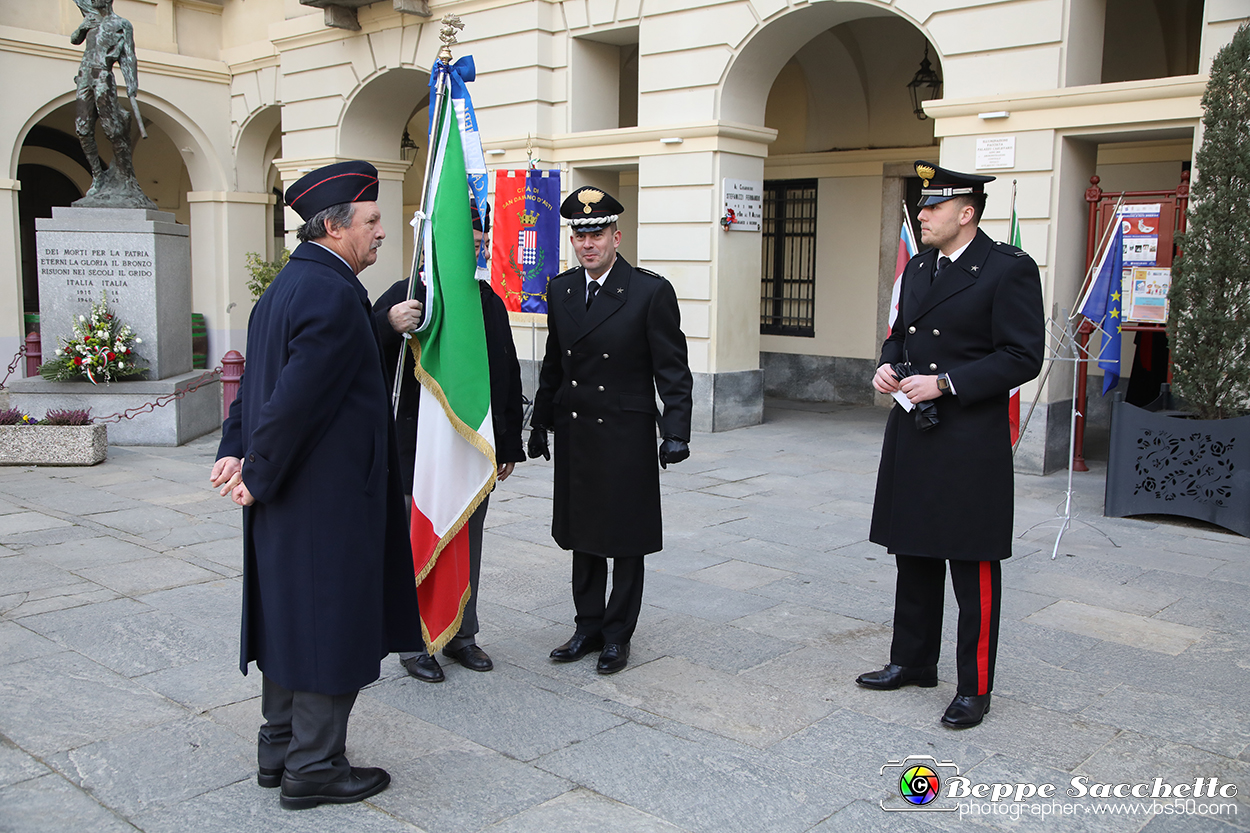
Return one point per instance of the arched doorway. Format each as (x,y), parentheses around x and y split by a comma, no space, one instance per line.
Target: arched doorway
(832,80)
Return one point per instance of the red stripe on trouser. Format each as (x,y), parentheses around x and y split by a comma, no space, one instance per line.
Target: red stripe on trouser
(983,639)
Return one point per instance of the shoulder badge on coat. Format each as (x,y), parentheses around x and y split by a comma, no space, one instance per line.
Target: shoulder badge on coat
(648,272)
(1008,249)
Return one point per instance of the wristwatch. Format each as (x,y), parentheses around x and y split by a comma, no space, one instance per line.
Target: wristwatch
(944,383)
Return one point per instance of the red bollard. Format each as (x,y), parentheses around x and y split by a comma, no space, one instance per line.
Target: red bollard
(231,373)
(34,354)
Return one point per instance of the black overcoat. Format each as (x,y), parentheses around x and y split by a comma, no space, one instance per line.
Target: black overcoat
(328,587)
(597,390)
(948,492)
(506,406)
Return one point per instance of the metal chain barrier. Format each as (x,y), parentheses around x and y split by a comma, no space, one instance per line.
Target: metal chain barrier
(17,359)
(130,413)
(162,401)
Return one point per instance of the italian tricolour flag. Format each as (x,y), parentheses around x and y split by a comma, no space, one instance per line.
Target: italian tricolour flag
(455,463)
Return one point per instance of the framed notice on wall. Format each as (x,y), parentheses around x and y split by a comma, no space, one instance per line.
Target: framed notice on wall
(1146,293)
(1141,233)
(744,205)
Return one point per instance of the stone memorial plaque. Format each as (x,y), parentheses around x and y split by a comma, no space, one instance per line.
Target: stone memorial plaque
(137,259)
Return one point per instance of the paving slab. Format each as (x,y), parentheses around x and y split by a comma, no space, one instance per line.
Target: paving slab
(585,812)
(1115,625)
(158,766)
(1126,658)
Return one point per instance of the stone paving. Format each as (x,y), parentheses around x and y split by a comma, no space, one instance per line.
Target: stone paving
(1122,661)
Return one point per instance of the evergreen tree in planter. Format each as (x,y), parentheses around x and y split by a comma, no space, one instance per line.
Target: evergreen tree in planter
(1209,321)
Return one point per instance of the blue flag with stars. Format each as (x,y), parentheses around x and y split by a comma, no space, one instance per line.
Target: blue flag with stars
(1103,305)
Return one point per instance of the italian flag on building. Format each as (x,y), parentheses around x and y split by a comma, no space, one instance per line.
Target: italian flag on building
(455,463)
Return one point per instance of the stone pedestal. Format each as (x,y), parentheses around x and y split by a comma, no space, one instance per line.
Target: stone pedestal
(139,259)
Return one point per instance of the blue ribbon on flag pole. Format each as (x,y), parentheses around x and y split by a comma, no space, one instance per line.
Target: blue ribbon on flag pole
(458,75)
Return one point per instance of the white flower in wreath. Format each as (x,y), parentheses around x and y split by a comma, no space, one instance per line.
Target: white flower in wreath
(82,318)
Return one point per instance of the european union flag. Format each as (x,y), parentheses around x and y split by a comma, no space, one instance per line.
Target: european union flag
(1103,305)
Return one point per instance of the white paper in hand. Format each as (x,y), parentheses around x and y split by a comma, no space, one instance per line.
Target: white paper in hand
(901,398)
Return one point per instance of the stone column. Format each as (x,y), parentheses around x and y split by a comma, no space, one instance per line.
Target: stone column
(716,273)
(11,326)
(226,226)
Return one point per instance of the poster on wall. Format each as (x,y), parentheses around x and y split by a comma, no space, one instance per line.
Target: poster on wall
(1147,294)
(1141,233)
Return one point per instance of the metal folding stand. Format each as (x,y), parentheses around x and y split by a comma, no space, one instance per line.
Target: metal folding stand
(1065,342)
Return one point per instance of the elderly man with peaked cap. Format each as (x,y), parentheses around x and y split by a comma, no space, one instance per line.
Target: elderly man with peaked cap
(308,451)
(970,328)
(614,340)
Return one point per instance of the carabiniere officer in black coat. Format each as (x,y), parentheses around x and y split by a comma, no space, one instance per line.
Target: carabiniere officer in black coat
(970,328)
(614,339)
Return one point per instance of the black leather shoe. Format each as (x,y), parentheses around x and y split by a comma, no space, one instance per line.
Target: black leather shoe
(577,647)
(613,658)
(361,783)
(966,710)
(425,668)
(471,657)
(897,676)
(269,778)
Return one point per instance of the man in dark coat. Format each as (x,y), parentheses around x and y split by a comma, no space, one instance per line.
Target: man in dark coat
(309,451)
(394,314)
(613,340)
(970,328)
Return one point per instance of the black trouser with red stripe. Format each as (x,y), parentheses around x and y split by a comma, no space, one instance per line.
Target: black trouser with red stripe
(919,594)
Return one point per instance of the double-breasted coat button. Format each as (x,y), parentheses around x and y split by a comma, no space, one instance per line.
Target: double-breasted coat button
(599,421)
(251,458)
(605,355)
(937,332)
(568,352)
(911,329)
(932,366)
(575,415)
(573,383)
(601,387)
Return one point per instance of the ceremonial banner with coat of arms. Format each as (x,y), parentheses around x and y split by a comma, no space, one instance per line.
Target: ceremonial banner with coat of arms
(525,247)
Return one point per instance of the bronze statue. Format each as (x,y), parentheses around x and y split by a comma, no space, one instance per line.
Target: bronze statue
(109,40)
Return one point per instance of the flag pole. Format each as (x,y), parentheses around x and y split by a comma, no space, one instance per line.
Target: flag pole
(911,236)
(451,25)
(1088,285)
(1015,223)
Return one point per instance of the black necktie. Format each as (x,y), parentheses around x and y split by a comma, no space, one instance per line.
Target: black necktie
(591,292)
(942,263)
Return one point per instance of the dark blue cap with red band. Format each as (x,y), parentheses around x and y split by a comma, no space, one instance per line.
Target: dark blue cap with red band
(354,181)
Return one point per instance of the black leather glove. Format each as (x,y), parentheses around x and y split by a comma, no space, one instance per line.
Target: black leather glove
(538,444)
(925,412)
(673,450)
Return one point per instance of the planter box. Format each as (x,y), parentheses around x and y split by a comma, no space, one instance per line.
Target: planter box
(53,445)
(1166,464)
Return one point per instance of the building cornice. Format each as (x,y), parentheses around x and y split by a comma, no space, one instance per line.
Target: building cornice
(151,62)
(1155,100)
(632,142)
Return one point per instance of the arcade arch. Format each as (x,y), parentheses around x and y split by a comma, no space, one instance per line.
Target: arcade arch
(831,78)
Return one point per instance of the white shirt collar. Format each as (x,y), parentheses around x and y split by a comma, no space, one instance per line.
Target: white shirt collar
(336,254)
(955,255)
